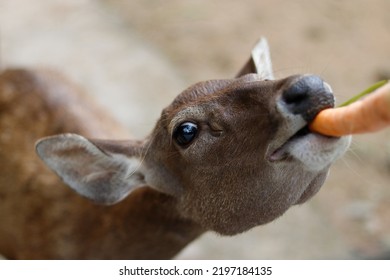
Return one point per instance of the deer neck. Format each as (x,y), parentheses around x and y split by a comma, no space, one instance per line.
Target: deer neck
(151,227)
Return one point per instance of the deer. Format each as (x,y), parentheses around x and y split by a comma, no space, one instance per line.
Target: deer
(226,155)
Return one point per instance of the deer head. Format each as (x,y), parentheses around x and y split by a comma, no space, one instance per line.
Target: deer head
(234,153)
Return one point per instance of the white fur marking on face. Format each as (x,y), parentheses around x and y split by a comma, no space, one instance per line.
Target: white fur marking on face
(292,122)
(317,152)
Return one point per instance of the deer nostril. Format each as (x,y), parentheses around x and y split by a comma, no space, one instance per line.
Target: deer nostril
(307,96)
(301,89)
(295,94)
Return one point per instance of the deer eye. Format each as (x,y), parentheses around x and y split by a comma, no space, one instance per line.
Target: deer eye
(185,133)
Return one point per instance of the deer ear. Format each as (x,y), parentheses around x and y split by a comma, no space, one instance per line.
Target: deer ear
(259,62)
(102,173)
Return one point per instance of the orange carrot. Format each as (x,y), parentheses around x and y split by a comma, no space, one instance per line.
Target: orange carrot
(369,114)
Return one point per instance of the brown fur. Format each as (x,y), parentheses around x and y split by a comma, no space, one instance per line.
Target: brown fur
(222,182)
(40,217)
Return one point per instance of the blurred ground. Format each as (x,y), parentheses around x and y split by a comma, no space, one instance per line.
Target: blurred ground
(135,56)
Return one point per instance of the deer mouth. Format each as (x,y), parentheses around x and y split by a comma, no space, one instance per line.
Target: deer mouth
(281,153)
(315,151)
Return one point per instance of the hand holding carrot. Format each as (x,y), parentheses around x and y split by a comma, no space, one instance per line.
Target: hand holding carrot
(366,115)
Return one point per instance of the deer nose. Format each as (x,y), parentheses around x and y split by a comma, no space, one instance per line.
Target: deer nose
(307,96)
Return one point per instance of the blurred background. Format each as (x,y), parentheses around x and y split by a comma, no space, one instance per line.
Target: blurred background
(136,56)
